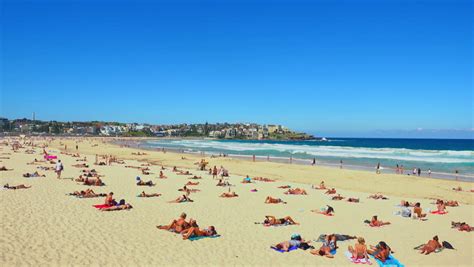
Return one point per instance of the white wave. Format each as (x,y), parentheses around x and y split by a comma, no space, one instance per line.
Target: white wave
(433,156)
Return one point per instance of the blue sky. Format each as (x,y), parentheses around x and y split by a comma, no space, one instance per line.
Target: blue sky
(344,68)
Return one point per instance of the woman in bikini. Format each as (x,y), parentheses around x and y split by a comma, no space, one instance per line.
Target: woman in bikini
(118,207)
(182,199)
(271,200)
(359,251)
(271,220)
(326,211)
(330,191)
(376,223)
(143,194)
(195,231)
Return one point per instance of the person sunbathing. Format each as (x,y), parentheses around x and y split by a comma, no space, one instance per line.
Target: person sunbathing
(145,172)
(143,183)
(183,173)
(133,167)
(229,194)
(376,223)
(330,191)
(451,203)
(88,193)
(380,252)
(457,189)
(328,245)
(35,174)
(162,175)
(295,241)
(14,187)
(177,226)
(404,203)
(418,212)
(3,168)
(143,194)
(296,191)
(338,197)
(440,206)
(271,200)
(329,211)
(247,180)
(195,177)
(262,179)
(352,199)
(191,183)
(378,196)
(431,246)
(188,191)
(95,182)
(196,231)
(109,199)
(359,251)
(181,199)
(284,186)
(118,207)
(462,226)
(81,165)
(320,187)
(271,220)
(223,183)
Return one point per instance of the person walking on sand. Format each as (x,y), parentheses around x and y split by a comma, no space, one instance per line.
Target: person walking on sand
(429,172)
(59,168)
(314,161)
(419,172)
(377,169)
(340,167)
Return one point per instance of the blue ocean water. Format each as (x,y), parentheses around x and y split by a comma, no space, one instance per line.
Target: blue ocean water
(439,155)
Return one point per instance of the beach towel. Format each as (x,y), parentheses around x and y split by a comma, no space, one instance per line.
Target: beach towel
(279,250)
(439,212)
(390,262)
(195,238)
(357,261)
(101,206)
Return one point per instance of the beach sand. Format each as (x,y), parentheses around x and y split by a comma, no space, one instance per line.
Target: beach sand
(44,226)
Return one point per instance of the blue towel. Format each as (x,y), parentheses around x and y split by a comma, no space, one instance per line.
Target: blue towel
(290,249)
(333,252)
(390,262)
(194,238)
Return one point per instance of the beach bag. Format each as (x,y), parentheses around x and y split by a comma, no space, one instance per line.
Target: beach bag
(447,245)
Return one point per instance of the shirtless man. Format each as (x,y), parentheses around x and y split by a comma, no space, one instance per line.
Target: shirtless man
(338,197)
(195,231)
(271,200)
(418,211)
(177,225)
(296,191)
(330,191)
(431,246)
(14,187)
(271,220)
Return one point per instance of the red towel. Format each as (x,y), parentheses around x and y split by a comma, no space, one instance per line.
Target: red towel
(101,206)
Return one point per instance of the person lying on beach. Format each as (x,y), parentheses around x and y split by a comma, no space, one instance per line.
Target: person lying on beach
(247,180)
(94,182)
(133,167)
(34,162)
(183,173)
(118,207)
(195,177)
(431,246)
(223,183)
(188,191)
(109,199)
(191,183)
(177,226)
(35,174)
(328,245)
(440,206)
(457,189)
(143,194)
(330,191)
(196,231)
(338,197)
(229,194)
(181,199)
(139,154)
(359,251)
(329,211)
(271,220)
(271,200)
(145,172)
(284,186)
(3,168)
(376,223)
(295,241)
(418,212)
(462,226)
(145,164)
(320,187)
(81,165)
(88,193)
(262,179)
(14,187)
(381,251)
(296,191)
(378,196)
(162,175)
(403,203)
(143,183)
(352,199)
(451,203)
(83,159)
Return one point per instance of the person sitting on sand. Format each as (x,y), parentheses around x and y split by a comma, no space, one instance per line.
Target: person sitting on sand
(320,187)
(296,191)
(431,246)
(329,211)
(328,245)
(182,199)
(145,172)
(162,175)
(462,226)
(376,223)
(451,203)
(222,183)
(352,199)
(143,194)
(191,183)
(109,199)
(177,225)
(271,200)
(378,196)
(271,220)
(380,252)
(3,168)
(229,194)
(247,180)
(417,211)
(330,191)
(196,231)
(338,197)
(284,186)
(14,187)
(359,251)
(35,174)
(404,203)
(457,189)
(295,241)
(440,206)
(143,183)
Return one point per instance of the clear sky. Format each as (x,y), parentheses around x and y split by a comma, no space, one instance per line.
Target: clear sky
(334,68)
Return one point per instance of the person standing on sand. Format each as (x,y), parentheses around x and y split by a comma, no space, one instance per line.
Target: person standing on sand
(429,172)
(377,169)
(59,168)
(419,172)
(77,147)
(340,167)
(314,161)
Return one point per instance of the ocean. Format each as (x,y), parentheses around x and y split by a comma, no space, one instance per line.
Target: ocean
(442,156)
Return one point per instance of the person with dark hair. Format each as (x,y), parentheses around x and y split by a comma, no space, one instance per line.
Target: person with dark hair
(271,220)
(196,231)
(431,246)
(381,251)
(376,223)
(328,245)
(418,211)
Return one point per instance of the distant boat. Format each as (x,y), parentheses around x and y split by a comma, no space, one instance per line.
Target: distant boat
(324,139)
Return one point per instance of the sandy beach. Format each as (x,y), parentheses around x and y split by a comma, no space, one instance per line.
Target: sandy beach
(43,225)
